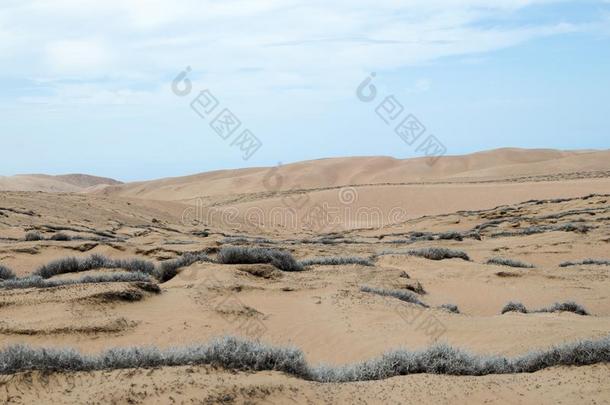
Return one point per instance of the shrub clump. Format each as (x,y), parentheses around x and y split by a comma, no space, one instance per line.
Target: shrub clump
(93,262)
(501,261)
(451,235)
(514,307)
(432,253)
(567,306)
(450,308)
(416,288)
(337,261)
(169,269)
(402,295)
(60,236)
(6,273)
(247,255)
(33,236)
(598,262)
(39,282)
(237,354)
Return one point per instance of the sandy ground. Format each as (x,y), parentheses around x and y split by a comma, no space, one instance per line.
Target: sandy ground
(321,310)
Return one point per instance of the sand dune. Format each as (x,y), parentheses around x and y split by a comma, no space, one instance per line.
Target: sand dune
(530,206)
(67,183)
(337,172)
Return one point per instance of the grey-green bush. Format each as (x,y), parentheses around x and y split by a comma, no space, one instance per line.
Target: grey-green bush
(6,273)
(247,255)
(501,261)
(237,354)
(33,236)
(60,236)
(337,261)
(432,253)
(93,262)
(402,295)
(567,306)
(450,308)
(514,307)
(598,262)
(169,269)
(39,282)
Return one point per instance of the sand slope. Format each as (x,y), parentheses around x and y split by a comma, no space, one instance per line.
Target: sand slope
(59,184)
(337,172)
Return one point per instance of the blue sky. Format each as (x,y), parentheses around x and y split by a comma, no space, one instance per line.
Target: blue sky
(86,85)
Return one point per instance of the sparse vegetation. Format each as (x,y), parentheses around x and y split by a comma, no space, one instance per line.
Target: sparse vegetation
(451,236)
(501,261)
(337,261)
(432,253)
(568,306)
(598,262)
(238,240)
(169,269)
(416,288)
(60,236)
(33,236)
(246,255)
(507,274)
(237,354)
(402,295)
(450,308)
(95,261)
(514,307)
(6,273)
(39,282)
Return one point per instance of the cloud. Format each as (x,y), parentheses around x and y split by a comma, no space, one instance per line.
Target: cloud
(74,57)
(249,45)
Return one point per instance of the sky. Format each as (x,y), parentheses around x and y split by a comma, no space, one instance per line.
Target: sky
(96,87)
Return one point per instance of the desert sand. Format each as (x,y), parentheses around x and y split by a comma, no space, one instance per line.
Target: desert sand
(540,207)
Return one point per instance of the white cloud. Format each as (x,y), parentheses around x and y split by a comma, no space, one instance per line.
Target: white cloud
(74,57)
(248,45)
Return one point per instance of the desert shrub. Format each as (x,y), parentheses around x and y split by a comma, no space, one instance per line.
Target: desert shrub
(6,273)
(451,236)
(514,307)
(95,261)
(416,288)
(568,306)
(336,261)
(60,236)
(33,236)
(432,253)
(40,282)
(237,354)
(137,265)
(246,255)
(169,269)
(579,228)
(402,295)
(238,240)
(599,262)
(451,308)
(501,261)
(507,274)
